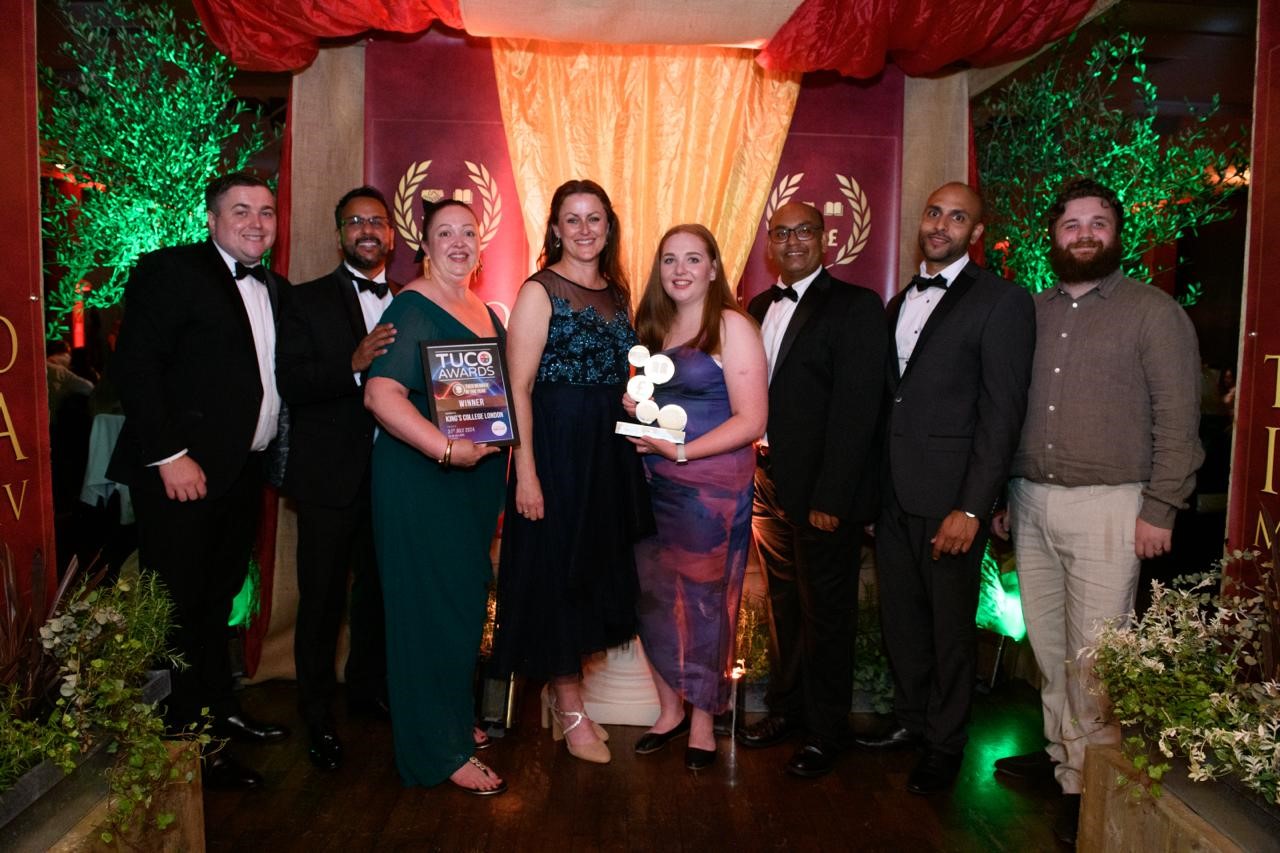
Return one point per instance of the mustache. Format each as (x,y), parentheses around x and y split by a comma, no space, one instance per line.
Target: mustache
(1086,243)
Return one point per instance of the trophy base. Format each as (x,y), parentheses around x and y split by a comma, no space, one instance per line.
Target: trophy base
(675,436)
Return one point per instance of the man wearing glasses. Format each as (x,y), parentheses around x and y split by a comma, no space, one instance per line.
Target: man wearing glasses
(815,485)
(329,335)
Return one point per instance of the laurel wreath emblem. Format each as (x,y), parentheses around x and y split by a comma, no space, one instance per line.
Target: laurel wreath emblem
(407,193)
(782,194)
(860,229)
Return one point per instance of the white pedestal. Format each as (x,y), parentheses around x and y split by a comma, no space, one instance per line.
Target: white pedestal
(617,688)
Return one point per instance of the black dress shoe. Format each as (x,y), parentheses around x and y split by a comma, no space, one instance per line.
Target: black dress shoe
(811,761)
(935,772)
(698,759)
(325,751)
(654,741)
(373,707)
(1034,765)
(242,728)
(1068,822)
(773,729)
(221,771)
(896,739)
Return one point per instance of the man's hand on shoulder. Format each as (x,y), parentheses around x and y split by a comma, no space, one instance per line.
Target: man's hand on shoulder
(1151,541)
(955,534)
(374,344)
(183,479)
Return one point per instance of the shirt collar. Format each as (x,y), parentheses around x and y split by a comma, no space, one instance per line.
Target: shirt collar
(952,271)
(803,284)
(355,273)
(228,260)
(1105,288)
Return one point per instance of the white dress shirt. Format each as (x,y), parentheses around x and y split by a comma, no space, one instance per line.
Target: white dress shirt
(257,303)
(776,320)
(917,308)
(371,304)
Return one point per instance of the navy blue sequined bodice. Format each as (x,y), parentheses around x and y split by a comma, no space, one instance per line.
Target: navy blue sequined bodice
(588,336)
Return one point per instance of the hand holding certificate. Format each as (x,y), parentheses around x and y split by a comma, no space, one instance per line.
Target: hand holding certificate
(467,390)
(670,419)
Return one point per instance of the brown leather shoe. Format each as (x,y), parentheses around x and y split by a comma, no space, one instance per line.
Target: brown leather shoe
(773,729)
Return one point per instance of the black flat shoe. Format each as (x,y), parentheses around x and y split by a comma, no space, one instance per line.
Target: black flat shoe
(325,751)
(773,729)
(698,759)
(1034,765)
(222,772)
(935,772)
(654,741)
(811,761)
(896,739)
(242,728)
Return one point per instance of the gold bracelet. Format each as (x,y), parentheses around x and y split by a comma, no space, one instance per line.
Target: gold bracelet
(448,454)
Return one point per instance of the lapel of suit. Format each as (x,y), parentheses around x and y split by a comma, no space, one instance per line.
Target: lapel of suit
(955,293)
(815,296)
(759,306)
(226,285)
(892,310)
(350,302)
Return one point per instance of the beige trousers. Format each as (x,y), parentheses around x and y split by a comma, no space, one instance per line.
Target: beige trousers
(1076,569)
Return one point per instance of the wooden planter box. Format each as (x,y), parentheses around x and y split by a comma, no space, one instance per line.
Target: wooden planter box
(1188,816)
(52,810)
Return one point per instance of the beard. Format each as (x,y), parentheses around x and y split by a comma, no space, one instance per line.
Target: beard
(362,263)
(1071,271)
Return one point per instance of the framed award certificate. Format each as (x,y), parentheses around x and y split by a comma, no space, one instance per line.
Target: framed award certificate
(467,390)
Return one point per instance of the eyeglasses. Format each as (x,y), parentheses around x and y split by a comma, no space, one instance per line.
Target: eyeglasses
(804,233)
(357,221)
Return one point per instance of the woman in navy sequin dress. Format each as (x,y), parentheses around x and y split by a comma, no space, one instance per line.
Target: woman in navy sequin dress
(576,498)
(691,569)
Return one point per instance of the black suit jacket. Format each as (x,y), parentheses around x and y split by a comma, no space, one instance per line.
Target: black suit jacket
(330,431)
(824,401)
(955,416)
(186,368)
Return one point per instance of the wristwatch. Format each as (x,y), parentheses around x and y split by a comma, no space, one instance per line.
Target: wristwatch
(680,457)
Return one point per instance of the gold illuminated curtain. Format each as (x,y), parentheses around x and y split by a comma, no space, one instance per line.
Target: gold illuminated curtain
(673,133)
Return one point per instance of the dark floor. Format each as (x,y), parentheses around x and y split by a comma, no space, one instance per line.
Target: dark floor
(557,803)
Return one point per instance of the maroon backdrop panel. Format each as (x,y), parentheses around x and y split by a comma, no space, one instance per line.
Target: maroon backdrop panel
(1255,476)
(26,491)
(844,156)
(433,125)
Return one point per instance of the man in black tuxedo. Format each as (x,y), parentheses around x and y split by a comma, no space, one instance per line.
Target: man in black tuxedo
(329,335)
(815,485)
(195,364)
(960,347)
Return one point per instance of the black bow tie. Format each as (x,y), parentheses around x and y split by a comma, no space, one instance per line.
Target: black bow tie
(923,283)
(259,272)
(778,292)
(377,288)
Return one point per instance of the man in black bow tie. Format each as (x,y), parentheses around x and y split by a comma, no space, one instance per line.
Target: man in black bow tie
(195,364)
(960,347)
(329,335)
(814,486)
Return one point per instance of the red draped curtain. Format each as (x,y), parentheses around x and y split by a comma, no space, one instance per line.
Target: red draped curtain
(855,37)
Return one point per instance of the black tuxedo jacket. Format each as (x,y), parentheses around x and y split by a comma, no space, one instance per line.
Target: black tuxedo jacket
(955,416)
(330,431)
(824,401)
(186,368)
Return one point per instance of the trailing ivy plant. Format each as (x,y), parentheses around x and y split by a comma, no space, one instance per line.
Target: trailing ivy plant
(1096,118)
(146,121)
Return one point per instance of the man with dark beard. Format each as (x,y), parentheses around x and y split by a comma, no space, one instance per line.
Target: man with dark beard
(329,335)
(1108,455)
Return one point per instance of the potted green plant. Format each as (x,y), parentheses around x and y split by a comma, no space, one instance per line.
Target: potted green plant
(78,681)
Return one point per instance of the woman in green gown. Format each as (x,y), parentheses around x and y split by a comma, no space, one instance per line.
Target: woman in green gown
(435,509)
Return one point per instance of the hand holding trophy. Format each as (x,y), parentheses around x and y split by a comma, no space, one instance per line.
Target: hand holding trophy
(671,419)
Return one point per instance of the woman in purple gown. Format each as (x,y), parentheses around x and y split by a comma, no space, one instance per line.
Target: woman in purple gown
(691,570)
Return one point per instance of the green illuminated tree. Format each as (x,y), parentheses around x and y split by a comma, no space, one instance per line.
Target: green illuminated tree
(147,121)
(1068,120)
